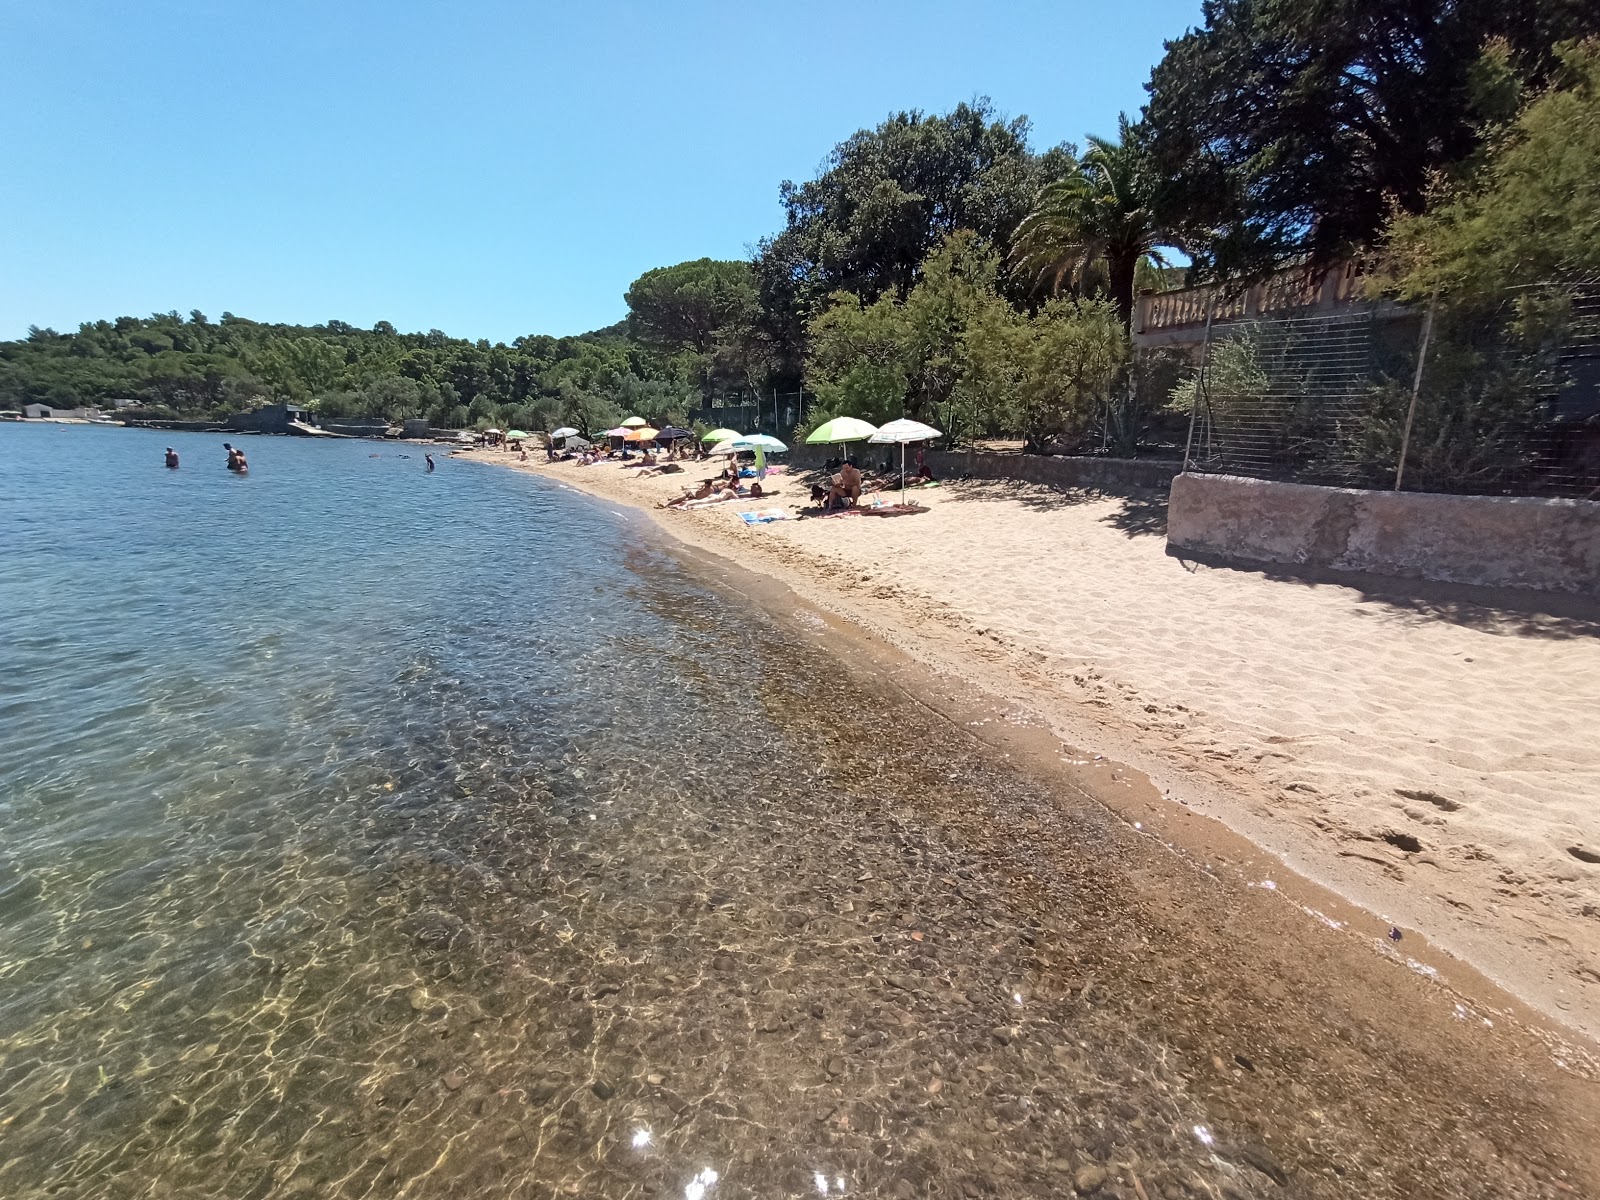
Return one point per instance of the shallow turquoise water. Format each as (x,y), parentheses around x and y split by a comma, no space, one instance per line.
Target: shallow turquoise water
(375,833)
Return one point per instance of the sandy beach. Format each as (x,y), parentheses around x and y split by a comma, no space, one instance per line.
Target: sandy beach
(1427,753)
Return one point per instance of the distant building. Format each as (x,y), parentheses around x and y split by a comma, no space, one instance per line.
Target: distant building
(273,418)
(52,412)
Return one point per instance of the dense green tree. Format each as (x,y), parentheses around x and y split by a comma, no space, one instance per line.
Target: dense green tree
(901,357)
(1106,212)
(1047,376)
(686,307)
(955,353)
(1529,213)
(1291,127)
(886,198)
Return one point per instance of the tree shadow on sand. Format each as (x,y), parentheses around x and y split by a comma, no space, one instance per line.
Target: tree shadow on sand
(1506,612)
(1143,515)
(1143,512)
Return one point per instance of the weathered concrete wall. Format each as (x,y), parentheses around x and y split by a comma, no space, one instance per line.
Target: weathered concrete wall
(1493,541)
(1063,471)
(367,427)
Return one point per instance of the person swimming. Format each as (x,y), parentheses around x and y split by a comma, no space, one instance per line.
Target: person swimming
(172,459)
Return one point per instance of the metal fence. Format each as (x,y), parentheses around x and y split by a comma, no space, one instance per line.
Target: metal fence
(772,412)
(1501,399)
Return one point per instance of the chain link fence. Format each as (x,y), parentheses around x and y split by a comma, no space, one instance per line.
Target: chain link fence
(1499,398)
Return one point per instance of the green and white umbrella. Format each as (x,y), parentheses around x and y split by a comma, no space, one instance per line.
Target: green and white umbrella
(717,436)
(841,429)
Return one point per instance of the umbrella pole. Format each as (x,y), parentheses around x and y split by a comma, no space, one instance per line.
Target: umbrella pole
(902,474)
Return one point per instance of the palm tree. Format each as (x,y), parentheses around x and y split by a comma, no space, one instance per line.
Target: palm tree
(1104,212)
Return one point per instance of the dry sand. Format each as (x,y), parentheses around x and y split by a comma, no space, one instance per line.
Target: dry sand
(1432,754)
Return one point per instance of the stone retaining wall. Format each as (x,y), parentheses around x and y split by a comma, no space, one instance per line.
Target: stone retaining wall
(1491,541)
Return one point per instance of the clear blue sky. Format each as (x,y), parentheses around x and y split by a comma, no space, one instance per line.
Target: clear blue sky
(485,168)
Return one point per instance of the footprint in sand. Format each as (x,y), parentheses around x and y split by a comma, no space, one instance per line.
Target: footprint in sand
(1433,798)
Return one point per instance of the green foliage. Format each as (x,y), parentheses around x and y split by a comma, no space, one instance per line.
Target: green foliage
(1105,211)
(706,316)
(686,307)
(892,357)
(1047,376)
(886,198)
(1292,128)
(1530,211)
(954,353)
(1481,416)
(1233,371)
(199,369)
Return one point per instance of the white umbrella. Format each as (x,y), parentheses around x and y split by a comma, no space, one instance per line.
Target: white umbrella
(763,444)
(759,441)
(565,431)
(901,432)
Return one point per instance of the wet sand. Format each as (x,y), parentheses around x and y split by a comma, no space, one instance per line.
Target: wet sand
(1425,752)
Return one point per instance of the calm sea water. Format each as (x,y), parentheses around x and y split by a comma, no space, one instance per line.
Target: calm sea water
(371,833)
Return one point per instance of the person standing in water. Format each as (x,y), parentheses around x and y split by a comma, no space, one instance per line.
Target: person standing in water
(233,456)
(172,459)
(429,457)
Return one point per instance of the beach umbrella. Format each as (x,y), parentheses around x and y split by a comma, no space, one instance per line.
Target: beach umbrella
(643,434)
(491,431)
(565,431)
(719,435)
(900,432)
(619,431)
(760,441)
(762,444)
(635,422)
(517,434)
(672,434)
(841,429)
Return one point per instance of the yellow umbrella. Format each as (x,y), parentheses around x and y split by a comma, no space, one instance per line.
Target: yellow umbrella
(634,422)
(646,434)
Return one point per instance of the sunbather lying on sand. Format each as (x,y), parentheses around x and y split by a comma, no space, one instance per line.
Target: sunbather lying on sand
(709,492)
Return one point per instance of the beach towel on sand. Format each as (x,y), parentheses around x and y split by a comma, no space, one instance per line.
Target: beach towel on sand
(764,516)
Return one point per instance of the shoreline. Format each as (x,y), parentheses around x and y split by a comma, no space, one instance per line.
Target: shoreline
(1133,776)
